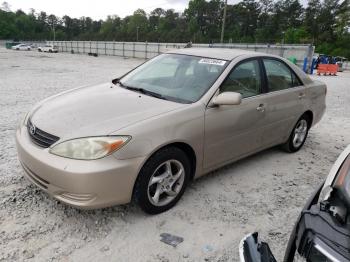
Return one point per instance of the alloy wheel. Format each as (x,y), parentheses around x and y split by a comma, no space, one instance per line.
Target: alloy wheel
(300,133)
(166,182)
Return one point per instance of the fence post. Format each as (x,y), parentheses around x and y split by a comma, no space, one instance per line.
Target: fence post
(133,49)
(123,49)
(65,43)
(83,47)
(105,48)
(282,51)
(114,48)
(158,48)
(146,46)
(77,47)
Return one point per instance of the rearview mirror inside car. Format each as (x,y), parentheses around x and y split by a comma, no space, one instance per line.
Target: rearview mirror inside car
(228,98)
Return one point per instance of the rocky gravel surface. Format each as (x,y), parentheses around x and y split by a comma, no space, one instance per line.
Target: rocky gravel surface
(262,193)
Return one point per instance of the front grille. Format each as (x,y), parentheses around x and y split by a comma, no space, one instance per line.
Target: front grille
(40,137)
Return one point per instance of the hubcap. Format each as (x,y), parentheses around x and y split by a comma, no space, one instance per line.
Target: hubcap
(166,182)
(300,132)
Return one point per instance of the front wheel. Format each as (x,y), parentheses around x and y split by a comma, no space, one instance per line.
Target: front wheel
(298,136)
(162,180)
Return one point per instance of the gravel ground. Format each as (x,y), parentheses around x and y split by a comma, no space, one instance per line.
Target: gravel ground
(262,193)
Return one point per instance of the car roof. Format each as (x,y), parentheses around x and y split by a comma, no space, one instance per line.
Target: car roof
(217,53)
(230,54)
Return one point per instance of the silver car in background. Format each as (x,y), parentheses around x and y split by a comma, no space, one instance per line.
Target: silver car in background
(174,118)
(48,48)
(22,47)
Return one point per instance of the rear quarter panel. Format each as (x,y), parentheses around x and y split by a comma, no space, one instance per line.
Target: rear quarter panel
(316,99)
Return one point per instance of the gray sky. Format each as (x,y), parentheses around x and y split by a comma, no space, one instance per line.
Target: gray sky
(98,9)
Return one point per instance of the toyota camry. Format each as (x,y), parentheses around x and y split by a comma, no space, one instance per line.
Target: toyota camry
(147,134)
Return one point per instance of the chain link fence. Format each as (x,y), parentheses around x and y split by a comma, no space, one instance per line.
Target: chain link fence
(147,50)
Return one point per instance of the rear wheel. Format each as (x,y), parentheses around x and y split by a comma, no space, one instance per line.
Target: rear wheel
(162,180)
(299,134)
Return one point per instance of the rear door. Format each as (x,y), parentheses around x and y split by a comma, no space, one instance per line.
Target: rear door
(285,101)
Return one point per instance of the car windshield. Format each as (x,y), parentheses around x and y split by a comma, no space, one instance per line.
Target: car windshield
(179,78)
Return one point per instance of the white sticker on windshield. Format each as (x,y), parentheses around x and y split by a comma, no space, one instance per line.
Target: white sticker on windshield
(212,61)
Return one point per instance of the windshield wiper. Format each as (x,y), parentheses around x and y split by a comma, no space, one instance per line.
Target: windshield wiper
(146,92)
(142,91)
(117,81)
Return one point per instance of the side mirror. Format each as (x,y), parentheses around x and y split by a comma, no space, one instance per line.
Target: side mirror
(228,98)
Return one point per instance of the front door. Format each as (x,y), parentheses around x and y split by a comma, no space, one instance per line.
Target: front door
(234,131)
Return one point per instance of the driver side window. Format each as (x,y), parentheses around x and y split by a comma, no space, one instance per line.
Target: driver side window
(244,79)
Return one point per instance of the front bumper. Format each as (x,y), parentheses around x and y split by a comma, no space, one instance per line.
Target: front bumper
(83,184)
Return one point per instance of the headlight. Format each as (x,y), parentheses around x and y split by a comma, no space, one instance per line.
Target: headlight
(342,182)
(89,148)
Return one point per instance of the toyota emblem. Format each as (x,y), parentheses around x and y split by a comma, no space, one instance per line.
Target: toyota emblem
(32,129)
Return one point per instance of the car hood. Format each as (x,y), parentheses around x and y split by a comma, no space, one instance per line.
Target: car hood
(97,110)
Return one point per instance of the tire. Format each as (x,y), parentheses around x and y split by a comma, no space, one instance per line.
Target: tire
(39,50)
(298,135)
(50,51)
(170,186)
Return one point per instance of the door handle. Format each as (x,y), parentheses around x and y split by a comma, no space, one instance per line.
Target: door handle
(301,95)
(261,108)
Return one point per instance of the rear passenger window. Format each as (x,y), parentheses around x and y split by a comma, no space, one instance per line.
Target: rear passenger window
(279,76)
(244,79)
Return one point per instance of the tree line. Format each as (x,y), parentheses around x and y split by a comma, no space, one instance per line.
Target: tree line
(325,24)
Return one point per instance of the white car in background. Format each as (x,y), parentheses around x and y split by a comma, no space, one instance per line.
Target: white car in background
(48,48)
(22,47)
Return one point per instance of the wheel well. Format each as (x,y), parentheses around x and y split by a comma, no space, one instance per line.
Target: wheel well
(310,115)
(189,153)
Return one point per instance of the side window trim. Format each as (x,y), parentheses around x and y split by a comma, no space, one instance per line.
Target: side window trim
(264,83)
(286,65)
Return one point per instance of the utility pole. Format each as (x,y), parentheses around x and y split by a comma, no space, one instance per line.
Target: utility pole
(223,23)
